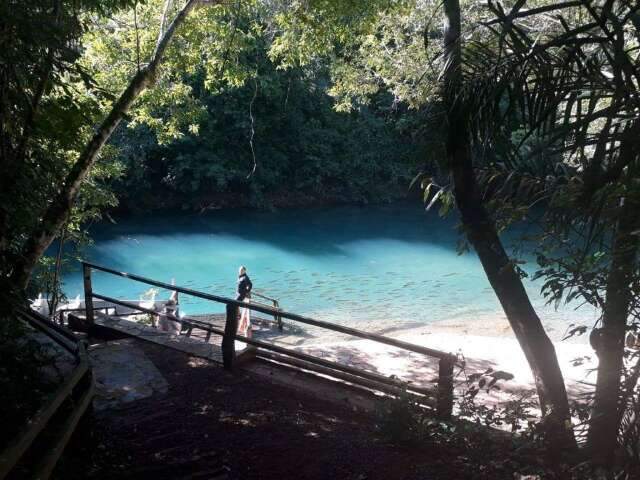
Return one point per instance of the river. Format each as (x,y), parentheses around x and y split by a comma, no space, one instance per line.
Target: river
(381,268)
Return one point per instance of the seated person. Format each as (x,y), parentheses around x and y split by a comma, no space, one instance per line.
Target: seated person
(167,322)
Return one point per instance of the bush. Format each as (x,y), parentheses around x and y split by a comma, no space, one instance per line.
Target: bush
(402,419)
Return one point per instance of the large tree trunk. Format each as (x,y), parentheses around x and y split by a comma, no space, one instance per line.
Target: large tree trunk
(482,234)
(609,342)
(58,210)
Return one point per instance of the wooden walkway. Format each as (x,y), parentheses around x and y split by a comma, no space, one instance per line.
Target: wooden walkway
(211,350)
(441,396)
(196,342)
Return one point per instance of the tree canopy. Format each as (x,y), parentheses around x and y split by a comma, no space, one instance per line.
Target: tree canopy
(522,111)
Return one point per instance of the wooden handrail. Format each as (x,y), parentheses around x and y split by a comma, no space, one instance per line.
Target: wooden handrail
(10,457)
(288,315)
(202,325)
(61,336)
(447,361)
(263,296)
(275,305)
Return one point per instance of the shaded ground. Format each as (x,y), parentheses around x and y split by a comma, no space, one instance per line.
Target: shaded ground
(209,417)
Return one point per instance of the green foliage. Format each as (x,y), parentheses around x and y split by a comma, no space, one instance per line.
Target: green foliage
(471,441)
(49,103)
(304,151)
(402,419)
(276,103)
(96,195)
(517,414)
(551,107)
(216,44)
(241,114)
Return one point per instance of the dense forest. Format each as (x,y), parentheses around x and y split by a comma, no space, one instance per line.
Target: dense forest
(274,142)
(502,111)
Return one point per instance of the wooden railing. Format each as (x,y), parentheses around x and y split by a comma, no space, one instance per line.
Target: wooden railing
(67,404)
(274,303)
(446,361)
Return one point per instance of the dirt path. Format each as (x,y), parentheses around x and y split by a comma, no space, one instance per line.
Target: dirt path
(208,418)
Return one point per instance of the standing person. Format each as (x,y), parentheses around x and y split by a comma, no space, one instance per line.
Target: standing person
(243,294)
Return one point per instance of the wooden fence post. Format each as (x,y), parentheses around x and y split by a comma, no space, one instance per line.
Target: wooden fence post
(277,316)
(229,339)
(88,294)
(444,407)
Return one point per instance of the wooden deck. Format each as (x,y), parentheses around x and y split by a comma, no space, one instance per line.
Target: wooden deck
(195,342)
(443,392)
(192,345)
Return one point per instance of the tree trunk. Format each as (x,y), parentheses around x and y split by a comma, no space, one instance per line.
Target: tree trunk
(607,409)
(58,210)
(482,234)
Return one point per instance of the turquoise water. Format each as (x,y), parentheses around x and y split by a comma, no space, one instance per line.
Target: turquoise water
(379,268)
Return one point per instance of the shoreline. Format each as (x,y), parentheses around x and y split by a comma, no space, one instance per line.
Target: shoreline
(479,344)
(499,327)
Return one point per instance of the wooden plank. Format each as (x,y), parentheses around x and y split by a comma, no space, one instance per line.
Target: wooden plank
(229,337)
(189,322)
(182,343)
(264,345)
(44,327)
(50,458)
(32,315)
(425,396)
(445,389)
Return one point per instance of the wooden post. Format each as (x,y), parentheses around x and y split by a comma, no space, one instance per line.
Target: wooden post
(278,318)
(229,338)
(88,294)
(444,407)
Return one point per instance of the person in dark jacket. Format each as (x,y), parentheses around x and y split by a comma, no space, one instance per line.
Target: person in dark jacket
(244,284)
(243,294)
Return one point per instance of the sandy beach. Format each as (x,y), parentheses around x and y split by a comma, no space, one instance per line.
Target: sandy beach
(479,344)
